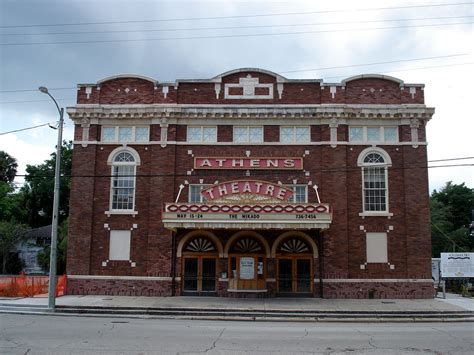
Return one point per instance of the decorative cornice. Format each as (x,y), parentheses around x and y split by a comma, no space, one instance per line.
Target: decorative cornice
(420,112)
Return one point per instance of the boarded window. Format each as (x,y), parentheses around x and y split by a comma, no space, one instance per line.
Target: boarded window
(376,247)
(119,245)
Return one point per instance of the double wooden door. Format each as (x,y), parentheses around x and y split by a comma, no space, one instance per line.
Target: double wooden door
(295,275)
(199,275)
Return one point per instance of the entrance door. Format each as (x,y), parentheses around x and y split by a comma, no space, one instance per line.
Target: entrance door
(294,275)
(199,275)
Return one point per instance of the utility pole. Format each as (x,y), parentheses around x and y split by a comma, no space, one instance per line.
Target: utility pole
(54,227)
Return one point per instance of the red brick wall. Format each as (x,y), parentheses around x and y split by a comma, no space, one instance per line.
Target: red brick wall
(333,170)
(141,91)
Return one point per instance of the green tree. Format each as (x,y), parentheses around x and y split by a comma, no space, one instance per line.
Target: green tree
(38,190)
(451,210)
(12,204)
(8,167)
(10,234)
(44,256)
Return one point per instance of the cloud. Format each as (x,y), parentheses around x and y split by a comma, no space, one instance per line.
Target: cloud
(448,89)
(25,151)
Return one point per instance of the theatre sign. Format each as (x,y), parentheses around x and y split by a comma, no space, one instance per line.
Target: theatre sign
(247,203)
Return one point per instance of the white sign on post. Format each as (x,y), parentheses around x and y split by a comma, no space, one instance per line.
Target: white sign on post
(435,269)
(457,265)
(247,268)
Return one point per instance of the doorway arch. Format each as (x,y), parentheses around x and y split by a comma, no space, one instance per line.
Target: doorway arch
(294,253)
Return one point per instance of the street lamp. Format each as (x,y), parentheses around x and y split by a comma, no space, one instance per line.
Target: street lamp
(54,228)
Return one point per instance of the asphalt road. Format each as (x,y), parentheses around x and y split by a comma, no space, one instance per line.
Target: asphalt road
(38,334)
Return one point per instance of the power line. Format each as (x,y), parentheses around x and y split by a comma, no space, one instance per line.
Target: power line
(230,36)
(448,237)
(29,90)
(203,173)
(377,63)
(27,101)
(241,16)
(27,128)
(330,77)
(232,27)
(289,71)
(449,159)
(410,69)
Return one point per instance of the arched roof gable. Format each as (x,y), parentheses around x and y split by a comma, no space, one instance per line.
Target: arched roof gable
(127,76)
(372,76)
(278,77)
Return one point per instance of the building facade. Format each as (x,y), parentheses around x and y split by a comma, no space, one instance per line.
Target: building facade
(250,185)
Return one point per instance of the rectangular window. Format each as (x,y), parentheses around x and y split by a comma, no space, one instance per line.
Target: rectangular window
(142,134)
(294,134)
(201,134)
(108,134)
(195,193)
(127,134)
(300,193)
(376,246)
(119,247)
(123,187)
(390,134)
(375,189)
(356,134)
(209,134)
(248,134)
(373,134)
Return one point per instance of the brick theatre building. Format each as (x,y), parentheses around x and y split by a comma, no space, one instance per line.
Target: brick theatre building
(250,185)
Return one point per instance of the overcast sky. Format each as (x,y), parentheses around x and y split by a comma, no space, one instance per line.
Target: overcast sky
(200,39)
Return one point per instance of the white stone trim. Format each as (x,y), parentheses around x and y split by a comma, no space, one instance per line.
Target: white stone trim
(104,277)
(261,224)
(375,214)
(381,151)
(374,280)
(120,149)
(246,143)
(121,212)
(248,85)
(310,111)
(372,76)
(125,76)
(278,77)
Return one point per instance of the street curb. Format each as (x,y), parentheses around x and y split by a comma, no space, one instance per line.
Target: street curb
(268,317)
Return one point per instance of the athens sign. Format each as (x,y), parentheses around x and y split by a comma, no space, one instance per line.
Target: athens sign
(248,163)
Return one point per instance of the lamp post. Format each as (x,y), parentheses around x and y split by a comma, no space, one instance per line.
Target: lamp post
(54,227)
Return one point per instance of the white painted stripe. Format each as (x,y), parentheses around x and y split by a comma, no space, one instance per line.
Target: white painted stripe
(137,278)
(373,280)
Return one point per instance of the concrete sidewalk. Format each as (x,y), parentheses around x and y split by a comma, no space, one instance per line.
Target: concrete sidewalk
(453,303)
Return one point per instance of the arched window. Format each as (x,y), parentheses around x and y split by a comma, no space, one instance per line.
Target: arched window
(374,163)
(122,194)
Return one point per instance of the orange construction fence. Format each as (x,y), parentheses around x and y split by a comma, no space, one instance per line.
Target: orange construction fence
(29,286)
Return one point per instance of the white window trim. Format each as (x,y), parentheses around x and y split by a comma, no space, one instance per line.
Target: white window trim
(248,134)
(201,135)
(386,165)
(381,135)
(293,140)
(110,161)
(117,134)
